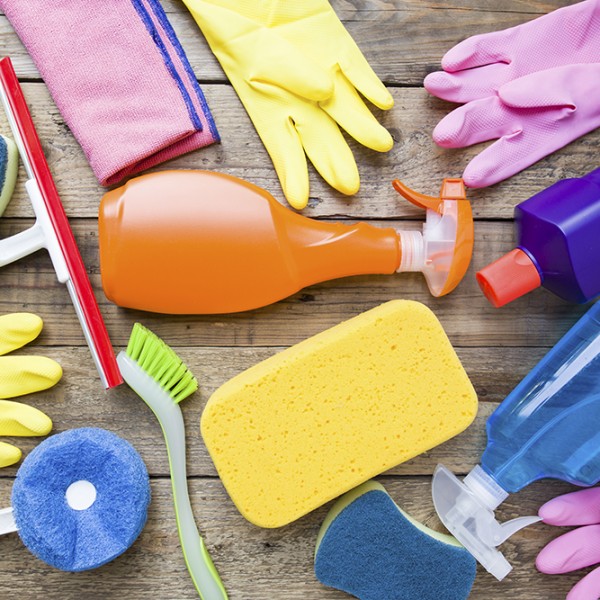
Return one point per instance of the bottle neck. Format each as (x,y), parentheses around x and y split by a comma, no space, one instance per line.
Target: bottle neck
(485,488)
(320,250)
(412,251)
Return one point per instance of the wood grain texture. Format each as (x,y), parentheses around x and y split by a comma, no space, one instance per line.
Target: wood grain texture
(77,402)
(415,159)
(403,40)
(538,319)
(257,564)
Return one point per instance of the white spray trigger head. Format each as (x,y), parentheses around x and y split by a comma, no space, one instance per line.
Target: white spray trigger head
(466,508)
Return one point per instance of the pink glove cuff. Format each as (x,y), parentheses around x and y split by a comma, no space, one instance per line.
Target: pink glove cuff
(119,77)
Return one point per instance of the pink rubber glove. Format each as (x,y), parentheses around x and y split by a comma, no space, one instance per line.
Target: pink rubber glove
(530,117)
(478,66)
(578,548)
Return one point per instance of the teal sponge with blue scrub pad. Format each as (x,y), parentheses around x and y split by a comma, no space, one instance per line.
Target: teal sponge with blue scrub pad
(9,166)
(371,549)
(80,499)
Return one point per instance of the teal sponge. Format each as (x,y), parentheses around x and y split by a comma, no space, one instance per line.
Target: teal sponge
(370,548)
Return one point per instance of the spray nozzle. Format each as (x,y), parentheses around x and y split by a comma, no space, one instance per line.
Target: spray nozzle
(442,251)
(466,508)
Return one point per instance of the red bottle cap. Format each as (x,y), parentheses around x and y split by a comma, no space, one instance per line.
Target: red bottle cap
(509,278)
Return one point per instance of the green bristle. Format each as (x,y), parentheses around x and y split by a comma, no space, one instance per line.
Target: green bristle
(161,362)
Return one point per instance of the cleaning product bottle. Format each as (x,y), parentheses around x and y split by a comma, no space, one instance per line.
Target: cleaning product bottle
(546,427)
(198,242)
(558,245)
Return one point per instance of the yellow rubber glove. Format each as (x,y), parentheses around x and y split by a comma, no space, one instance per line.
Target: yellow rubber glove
(21,375)
(297,71)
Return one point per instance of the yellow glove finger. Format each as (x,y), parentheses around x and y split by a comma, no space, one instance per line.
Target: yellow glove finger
(327,149)
(9,455)
(360,74)
(18,329)
(347,108)
(308,132)
(20,375)
(21,420)
(283,144)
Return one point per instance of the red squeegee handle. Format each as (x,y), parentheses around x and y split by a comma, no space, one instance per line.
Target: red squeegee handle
(78,274)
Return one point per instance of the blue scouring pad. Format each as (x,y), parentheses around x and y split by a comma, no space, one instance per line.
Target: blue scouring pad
(370,548)
(80,499)
(9,166)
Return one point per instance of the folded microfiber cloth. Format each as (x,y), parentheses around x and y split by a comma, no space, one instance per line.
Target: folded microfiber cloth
(370,548)
(120,79)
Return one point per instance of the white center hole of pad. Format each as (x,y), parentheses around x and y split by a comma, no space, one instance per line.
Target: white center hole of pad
(81,495)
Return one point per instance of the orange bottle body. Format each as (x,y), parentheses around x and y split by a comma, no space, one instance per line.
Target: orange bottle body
(197,242)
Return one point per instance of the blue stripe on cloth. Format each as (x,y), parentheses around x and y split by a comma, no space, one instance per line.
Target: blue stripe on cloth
(155,35)
(164,21)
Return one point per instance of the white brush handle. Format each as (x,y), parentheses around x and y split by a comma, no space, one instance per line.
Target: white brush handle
(167,411)
(7,521)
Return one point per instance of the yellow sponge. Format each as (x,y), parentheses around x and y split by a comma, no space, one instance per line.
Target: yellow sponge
(316,420)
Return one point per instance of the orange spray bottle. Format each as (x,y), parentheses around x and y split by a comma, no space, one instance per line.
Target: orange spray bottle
(199,242)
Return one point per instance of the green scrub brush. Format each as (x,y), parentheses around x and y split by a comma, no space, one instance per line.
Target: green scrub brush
(155,372)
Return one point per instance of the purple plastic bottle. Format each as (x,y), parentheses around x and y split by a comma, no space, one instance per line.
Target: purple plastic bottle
(558,232)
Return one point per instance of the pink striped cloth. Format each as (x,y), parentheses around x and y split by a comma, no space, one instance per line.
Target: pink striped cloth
(120,79)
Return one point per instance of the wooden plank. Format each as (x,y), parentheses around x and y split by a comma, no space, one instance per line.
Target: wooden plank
(403,40)
(538,319)
(79,401)
(257,563)
(415,159)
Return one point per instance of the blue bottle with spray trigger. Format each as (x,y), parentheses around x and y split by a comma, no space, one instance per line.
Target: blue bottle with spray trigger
(547,427)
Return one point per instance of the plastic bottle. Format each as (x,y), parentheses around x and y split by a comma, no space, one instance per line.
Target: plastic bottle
(548,426)
(198,242)
(558,245)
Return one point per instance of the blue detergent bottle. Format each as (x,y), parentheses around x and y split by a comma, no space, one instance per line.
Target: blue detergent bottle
(547,427)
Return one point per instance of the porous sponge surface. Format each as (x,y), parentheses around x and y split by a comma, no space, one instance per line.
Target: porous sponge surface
(372,551)
(321,417)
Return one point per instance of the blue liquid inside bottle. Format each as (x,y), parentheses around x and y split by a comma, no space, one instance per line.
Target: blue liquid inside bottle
(549,425)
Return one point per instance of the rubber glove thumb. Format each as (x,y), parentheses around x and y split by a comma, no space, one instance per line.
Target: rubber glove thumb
(569,86)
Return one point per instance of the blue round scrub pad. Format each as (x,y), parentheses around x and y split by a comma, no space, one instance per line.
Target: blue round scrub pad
(371,549)
(81,538)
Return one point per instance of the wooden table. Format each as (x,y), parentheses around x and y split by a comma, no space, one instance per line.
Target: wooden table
(403,40)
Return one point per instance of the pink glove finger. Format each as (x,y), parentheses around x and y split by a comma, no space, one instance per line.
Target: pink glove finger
(515,152)
(574,550)
(569,86)
(588,588)
(468,85)
(477,51)
(475,122)
(576,508)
